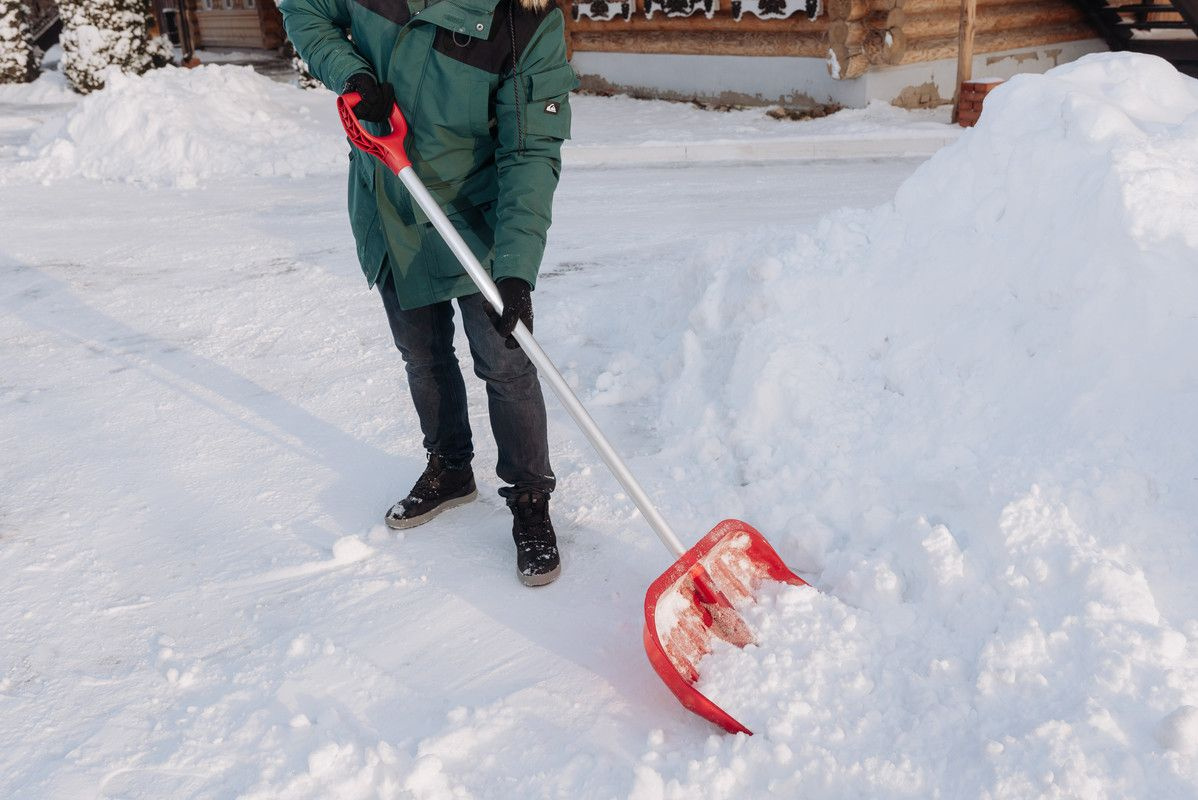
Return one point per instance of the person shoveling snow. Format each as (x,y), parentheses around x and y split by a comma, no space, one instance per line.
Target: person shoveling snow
(492,156)
(689,605)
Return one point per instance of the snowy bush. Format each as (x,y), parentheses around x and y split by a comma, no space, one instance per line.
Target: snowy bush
(99,35)
(18,63)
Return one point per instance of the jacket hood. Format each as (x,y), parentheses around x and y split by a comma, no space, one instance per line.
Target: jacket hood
(534,5)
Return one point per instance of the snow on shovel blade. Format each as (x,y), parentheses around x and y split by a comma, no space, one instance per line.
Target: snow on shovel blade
(695,601)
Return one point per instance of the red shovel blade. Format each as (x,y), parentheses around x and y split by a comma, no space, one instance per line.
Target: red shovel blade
(695,601)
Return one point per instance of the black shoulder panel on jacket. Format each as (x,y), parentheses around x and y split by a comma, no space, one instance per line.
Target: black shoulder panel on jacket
(493,54)
(394,10)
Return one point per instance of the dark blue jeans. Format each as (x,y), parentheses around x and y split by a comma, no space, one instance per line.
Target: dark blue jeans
(424,337)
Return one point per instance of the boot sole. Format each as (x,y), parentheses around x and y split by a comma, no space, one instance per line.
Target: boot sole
(540,580)
(412,522)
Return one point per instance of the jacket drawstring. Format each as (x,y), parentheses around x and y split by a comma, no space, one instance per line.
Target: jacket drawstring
(511,18)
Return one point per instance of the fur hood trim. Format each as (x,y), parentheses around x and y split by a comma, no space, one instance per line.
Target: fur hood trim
(536,6)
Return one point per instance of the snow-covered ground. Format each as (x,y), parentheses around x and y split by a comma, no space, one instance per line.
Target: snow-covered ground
(622,130)
(964,412)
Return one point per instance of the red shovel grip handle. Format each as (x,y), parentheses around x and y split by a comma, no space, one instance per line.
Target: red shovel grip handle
(389,149)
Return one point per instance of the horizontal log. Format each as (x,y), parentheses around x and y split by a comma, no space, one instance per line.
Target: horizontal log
(914,7)
(857,9)
(231,39)
(885,20)
(220,14)
(849,9)
(722,21)
(993,20)
(921,50)
(715,43)
(225,26)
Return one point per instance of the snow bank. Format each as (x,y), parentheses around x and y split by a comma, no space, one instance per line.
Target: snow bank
(178,127)
(50,88)
(969,416)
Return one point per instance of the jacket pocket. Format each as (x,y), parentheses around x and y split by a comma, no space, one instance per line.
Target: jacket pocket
(548,107)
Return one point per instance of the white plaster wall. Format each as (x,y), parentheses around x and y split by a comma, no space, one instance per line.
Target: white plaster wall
(770,80)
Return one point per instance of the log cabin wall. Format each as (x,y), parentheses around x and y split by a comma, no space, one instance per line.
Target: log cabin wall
(728,29)
(252,24)
(868,34)
(859,48)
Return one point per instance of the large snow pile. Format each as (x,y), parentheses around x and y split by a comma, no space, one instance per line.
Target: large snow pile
(986,392)
(179,127)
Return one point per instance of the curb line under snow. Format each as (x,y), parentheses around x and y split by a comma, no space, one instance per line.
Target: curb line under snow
(809,148)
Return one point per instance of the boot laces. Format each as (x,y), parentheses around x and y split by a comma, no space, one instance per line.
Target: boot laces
(426,484)
(531,511)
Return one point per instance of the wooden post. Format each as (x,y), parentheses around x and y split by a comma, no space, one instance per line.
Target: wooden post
(969,16)
(186,36)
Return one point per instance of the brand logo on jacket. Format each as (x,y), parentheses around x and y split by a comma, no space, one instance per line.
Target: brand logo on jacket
(551,108)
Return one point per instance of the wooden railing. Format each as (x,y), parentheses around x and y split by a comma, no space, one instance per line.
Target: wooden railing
(1118,23)
(43,25)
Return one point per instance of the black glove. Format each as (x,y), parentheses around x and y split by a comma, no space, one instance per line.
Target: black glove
(516,295)
(377,98)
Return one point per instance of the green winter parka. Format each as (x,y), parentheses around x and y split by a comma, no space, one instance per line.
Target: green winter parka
(485,140)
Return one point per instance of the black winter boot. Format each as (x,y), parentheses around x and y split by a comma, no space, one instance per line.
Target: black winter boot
(537,560)
(438,489)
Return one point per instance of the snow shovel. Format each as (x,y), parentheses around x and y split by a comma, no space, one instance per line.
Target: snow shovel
(695,600)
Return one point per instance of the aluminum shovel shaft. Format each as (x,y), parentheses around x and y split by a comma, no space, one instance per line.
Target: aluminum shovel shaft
(542,362)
